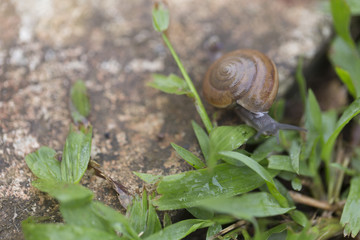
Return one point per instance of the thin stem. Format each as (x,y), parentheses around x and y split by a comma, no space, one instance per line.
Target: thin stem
(198,104)
(299,198)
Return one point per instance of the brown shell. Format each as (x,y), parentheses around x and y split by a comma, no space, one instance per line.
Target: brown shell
(246,77)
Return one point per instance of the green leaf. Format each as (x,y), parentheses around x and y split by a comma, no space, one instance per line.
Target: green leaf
(160,17)
(227,138)
(347,58)
(44,164)
(201,213)
(187,189)
(153,222)
(61,232)
(341,15)
(248,206)
(313,123)
(251,164)
(299,217)
(180,230)
(76,156)
(66,194)
(266,148)
(306,233)
(295,155)
(143,217)
(170,84)
(350,217)
(115,219)
(80,105)
(262,172)
(313,114)
(300,78)
(329,119)
(282,162)
(149,178)
(213,230)
(277,229)
(346,79)
(188,156)
(296,184)
(202,138)
(354,6)
(137,213)
(349,113)
(166,220)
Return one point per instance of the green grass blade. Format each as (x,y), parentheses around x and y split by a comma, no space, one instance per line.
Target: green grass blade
(295,156)
(202,138)
(80,104)
(187,189)
(350,217)
(346,79)
(349,113)
(262,172)
(76,156)
(188,156)
(300,78)
(341,15)
(116,220)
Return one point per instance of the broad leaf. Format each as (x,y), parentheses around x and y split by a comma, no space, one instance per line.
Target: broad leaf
(160,16)
(187,189)
(227,138)
(282,162)
(34,231)
(170,84)
(44,164)
(66,194)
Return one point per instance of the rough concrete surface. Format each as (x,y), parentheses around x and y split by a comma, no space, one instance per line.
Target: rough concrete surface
(46,45)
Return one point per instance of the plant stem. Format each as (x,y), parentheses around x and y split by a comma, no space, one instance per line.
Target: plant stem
(198,104)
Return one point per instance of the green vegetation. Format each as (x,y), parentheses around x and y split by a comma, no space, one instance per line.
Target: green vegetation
(219,192)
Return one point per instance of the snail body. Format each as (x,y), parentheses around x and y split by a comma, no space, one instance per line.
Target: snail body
(247,81)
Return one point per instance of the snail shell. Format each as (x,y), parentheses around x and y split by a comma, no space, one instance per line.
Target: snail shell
(246,77)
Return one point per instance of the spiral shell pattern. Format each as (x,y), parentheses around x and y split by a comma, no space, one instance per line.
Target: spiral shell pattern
(246,77)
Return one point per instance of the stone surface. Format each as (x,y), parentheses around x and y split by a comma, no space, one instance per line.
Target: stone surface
(47,45)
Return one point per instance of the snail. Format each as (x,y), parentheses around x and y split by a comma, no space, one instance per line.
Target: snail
(246,80)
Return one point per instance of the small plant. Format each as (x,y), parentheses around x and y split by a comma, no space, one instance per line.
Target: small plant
(219,191)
